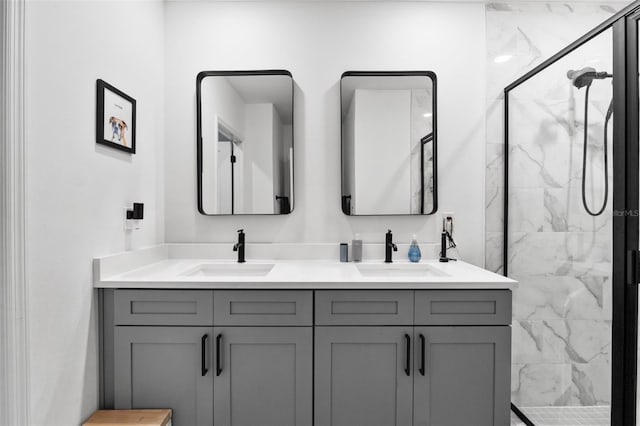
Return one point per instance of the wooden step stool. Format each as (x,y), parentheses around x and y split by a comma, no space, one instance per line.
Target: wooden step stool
(130,417)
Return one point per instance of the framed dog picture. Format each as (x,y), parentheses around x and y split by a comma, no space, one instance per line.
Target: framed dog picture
(115,118)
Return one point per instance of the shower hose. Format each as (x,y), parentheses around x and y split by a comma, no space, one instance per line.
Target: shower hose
(584,155)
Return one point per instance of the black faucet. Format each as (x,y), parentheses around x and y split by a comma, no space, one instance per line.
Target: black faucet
(388,246)
(443,247)
(446,240)
(239,246)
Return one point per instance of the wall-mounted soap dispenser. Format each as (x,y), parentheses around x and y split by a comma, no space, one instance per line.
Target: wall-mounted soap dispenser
(133,217)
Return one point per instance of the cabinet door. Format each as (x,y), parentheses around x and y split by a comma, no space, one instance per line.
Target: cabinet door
(165,367)
(462,377)
(263,376)
(363,376)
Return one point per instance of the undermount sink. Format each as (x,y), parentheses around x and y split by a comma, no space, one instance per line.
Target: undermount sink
(230,270)
(399,270)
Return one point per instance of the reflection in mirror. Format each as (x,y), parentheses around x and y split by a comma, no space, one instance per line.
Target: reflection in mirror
(389,144)
(245,142)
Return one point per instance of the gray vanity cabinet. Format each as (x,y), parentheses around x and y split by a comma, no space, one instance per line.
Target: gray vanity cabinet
(423,358)
(263,376)
(461,376)
(362,377)
(160,367)
(302,357)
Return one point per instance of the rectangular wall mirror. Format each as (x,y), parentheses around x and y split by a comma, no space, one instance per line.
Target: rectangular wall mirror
(389,143)
(245,142)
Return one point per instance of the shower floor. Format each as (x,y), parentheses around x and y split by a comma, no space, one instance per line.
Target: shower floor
(565,416)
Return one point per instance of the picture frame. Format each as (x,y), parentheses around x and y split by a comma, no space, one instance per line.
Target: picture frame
(115,118)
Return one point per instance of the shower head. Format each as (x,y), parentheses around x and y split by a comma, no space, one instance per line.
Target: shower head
(585,76)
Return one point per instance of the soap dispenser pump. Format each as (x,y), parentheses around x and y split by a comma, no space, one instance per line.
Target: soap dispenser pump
(414,250)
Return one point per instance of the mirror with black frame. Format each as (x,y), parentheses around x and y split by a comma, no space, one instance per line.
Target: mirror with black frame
(389,143)
(245,142)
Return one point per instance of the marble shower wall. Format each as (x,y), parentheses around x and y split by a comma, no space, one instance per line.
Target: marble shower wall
(560,255)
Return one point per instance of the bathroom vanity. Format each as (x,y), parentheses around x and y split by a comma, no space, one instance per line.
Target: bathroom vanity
(295,342)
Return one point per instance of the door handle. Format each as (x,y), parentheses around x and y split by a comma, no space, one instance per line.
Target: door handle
(218,360)
(407,347)
(422,354)
(203,357)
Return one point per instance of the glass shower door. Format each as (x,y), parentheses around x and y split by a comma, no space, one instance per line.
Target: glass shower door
(559,243)
(572,228)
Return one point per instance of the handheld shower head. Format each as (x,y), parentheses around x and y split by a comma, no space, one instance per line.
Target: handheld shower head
(585,76)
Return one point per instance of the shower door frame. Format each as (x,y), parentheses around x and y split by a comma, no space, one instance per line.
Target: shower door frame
(626,194)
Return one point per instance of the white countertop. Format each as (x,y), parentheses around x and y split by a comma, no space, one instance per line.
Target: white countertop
(155,267)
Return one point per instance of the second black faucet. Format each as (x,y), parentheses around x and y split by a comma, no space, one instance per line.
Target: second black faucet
(239,246)
(388,247)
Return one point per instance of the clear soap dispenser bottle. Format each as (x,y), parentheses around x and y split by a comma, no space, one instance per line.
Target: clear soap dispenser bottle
(414,250)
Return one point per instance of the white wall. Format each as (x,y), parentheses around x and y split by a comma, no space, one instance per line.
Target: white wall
(348,161)
(287,132)
(317,41)
(421,126)
(220,102)
(278,146)
(219,97)
(382,151)
(77,189)
(257,149)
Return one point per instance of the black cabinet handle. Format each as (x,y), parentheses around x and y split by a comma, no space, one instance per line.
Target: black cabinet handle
(407,366)
(422,355)
(218,356)
(203,358)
